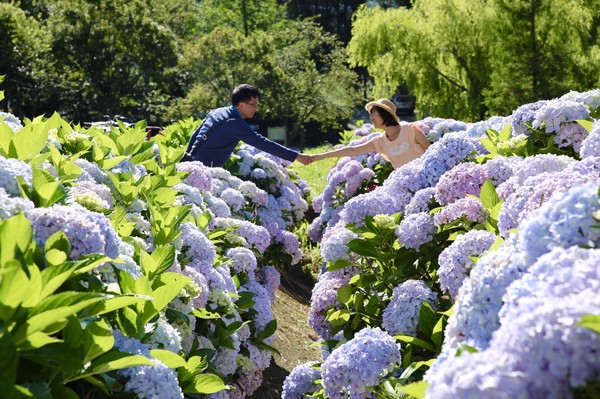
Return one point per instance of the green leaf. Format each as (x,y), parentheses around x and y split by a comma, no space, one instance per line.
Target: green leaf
(338,264)
(111,361)
(415,341)
(339,317)
(268,331)
(427,319)
(97,340)
(163,257)
(587,125)
(488,196)
(591,321)
(416,389)
(170,359)
(363,248)
(202,313)
(205,384)
(344,294)
(8,361)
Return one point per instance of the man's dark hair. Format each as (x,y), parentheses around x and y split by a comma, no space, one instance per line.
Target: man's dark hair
(243,92)
(388,119)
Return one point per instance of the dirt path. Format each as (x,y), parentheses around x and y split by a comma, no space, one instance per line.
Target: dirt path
(294,336)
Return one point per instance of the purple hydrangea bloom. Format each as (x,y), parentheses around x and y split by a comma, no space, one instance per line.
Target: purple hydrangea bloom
(201,299)
(243,260)
(90,171)
(357,364)
(147,382)
(590,98)
(12,121)
(234,199)
(468,208)
(262,304)
(415,230)
(566,219)
(524,114)
(455,260)
(445,126)
(401,316)
(570,135)
(11,168)
(88,232)
(11,206)
(270,278)
(500,169)
(478,129)
(591,145)
(479,299)
(556,112)
(335,241)
(421,201)
(370,204)
(465,178)
(99,193)
(444,155)
(301,381)
(195,246)
(251,235)
(199,175)
(324,297)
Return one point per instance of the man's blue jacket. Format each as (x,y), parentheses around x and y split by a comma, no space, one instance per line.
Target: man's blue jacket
(224,128)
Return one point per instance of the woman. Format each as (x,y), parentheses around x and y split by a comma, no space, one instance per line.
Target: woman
(401,143)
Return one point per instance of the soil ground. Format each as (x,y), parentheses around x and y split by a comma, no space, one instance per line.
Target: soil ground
(294,335)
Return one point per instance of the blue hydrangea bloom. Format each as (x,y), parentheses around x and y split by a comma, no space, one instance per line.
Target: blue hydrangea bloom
(401,316)
(301,381)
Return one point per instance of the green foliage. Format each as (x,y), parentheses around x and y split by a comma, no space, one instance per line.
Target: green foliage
(52,332)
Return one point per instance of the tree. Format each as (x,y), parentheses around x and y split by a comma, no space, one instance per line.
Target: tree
(435,49)
(536,54)
(25,49)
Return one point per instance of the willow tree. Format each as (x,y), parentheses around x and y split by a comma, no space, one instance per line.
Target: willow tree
(437,49)
(541,49)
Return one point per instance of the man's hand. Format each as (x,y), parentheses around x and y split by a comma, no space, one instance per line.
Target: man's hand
(304,159)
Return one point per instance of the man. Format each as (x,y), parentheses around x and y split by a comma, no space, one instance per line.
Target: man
(222,129)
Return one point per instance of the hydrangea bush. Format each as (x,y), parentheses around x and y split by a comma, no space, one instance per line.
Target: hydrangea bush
(479,259)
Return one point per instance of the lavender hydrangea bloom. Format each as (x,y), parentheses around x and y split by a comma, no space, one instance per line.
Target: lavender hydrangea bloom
(556,112)
(11,206)
(199,175)
(479,299)
(262,304)
(88,232)
(444,155)
(570,135)
(566,219)
(500,169)
(11,168)
(417,229)
(590,98)
(12,121)
(465,178)
(301,381)
(421,201)
(243,260)
(291,244)
(324,296)
(201,299)
(194,245)
(163,336)
(357,365)
(539,189)
(480,375)
(469,208)
(270,278)
(478,129)
(89,191)
(258,196)
(590,147)
(401,316)
(335,241)
(249,234)
(370,204)
(455,261)
(532,166)
(234,199)
(445,126)
(522,115)
(147,382)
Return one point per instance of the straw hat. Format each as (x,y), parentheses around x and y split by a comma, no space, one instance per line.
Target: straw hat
(384,104)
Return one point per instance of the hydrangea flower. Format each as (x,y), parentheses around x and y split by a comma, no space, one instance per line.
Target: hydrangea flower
(88,232)
(566,219)
(12,121)
(401,316)
(570,135)
(234,199)
(469,208)
(90,191)
(415,230)
(11,206)
(522,115)
(421,201)
(445,126)
(199,174)
(301,381)
(370,204)
(270,278)
(334,243)
(356,365)
(147,382)
(243,260)
(455,260)
(556,112)
(194,245)
(90,171)
(444,155)
(11,168)
(590,147)
(465,178)
(248,234)
(262,304)
(163,336)
(590,98)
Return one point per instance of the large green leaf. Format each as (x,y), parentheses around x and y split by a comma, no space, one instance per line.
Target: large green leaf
(205,384)
(30,140)
(111,361)
(170,359)
(591,321)
(97,340)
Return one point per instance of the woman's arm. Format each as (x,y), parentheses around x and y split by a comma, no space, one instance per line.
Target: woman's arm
(420,137)
(347,151)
